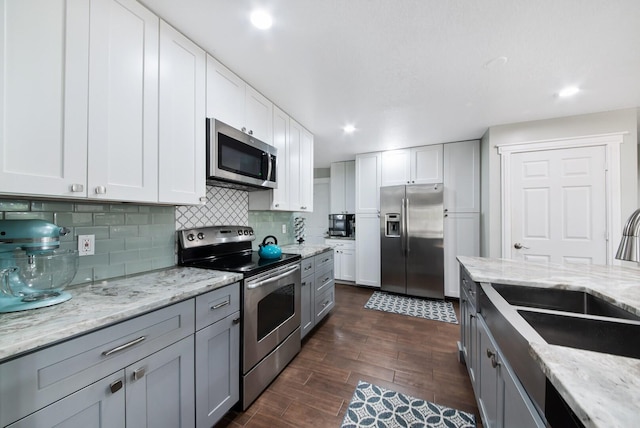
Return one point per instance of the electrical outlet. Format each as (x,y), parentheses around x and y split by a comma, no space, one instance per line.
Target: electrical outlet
(86,245)
(284,228)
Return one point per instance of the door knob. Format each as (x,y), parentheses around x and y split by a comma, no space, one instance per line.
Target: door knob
(519,246)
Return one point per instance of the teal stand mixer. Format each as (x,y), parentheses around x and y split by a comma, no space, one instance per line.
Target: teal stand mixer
(33,269)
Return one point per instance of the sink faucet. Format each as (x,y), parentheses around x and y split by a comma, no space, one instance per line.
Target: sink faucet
(629,248)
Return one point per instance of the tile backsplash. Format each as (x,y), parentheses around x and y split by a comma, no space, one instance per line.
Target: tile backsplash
(129,238)
(133,238)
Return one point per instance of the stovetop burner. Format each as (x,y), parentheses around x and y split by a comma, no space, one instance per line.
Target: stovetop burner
(225,248)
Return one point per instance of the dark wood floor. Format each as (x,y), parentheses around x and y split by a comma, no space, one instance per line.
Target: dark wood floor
(410,355)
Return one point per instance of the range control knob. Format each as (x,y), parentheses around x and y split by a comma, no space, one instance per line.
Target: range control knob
(191,237)
(251,232)
(239,232)
(246,232)
(200,235)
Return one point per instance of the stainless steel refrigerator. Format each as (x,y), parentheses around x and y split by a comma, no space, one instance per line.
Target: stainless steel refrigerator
(411,240)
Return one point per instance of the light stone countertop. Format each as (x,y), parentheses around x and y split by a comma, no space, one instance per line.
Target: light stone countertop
(305,250)
(104,303)
(603,390)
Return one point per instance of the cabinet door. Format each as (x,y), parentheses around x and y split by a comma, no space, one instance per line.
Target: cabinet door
(396,167)
(337,262)
(350,187)
(307,295)
(94,406)
(295,141)
(258,115)
(280,200)
(518,410)
(44,64)
(487,377)
(217,369)
(368,249)
(306,172)
(469,332)
(337,194)
(123,102)
(225,94)
(368,172)
(160,388)
(462,176)
(348,265)
(426,164)
(461,238)
(181,155)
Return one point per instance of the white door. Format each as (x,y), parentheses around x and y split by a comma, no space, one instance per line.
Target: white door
(396,167)
(558,205)
(368,249)
(426,164)
(368,173)
(225,94)
(258,115)
(281,142)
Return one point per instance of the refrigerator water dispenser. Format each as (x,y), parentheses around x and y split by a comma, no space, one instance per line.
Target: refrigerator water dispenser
(392,225)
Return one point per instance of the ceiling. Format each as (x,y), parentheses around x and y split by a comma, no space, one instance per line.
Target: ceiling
(414,72)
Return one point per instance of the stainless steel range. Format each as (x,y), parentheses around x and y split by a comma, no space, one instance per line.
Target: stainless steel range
(270,299)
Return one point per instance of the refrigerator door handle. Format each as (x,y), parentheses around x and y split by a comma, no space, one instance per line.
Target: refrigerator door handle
(406,225)
(403,227)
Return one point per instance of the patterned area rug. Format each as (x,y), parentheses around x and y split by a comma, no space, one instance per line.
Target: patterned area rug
(438,310)
(373,406)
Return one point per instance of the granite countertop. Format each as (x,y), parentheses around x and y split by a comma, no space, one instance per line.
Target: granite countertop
(305,250)
(103,303)
(603,390)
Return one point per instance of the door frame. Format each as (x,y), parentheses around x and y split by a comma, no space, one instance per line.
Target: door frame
(611,142)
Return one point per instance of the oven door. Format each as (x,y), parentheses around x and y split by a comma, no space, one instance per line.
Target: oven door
(271,312)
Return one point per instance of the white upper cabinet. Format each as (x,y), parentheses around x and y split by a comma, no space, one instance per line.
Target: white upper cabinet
(418,165)
(232,101)
(368,172)
(343,187)
(281,143)
(181,149)
(44,64)
(426,164)
(258,115)
(123,102)
(462,177)
(300,168)
(225,94)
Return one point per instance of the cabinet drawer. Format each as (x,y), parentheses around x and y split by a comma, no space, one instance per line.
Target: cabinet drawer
(307,265)
(324,280)
(40,378)
(217,304)
(324,261)
(324,303)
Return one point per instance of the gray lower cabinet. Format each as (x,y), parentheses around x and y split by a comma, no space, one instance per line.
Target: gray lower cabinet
(307,320)
(318,290)
(502,400)
(217,354)
(154,370)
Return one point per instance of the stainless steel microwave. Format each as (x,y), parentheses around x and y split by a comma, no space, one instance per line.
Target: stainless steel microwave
(239,160)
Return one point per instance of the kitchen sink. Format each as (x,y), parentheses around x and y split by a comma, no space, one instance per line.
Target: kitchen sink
(592,333)
(557,299)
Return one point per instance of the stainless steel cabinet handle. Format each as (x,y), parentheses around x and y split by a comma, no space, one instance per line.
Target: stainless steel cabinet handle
(518,246)
(236,321)
(251,132)
(277,205)
(219,305)
(77,188)
(139,374)
(203,199)
(123,347)
(101,190)
(490,353)
(244,129)
(494,362)
(116,386)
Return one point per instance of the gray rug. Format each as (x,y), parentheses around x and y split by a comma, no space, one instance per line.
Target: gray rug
(437,310)
(373,406)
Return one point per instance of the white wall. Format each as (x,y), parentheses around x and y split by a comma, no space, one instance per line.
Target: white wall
(574,126)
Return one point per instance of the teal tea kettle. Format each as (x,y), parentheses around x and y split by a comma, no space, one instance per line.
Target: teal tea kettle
(269,250)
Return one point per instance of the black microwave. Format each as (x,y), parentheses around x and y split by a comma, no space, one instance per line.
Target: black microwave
(239,160)
(341,225)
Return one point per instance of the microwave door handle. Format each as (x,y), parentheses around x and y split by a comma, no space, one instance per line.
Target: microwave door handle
(270,162)
(257,284)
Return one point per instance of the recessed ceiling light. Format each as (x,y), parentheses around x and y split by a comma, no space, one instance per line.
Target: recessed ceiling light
(568,91)
(349,129)
(261,19)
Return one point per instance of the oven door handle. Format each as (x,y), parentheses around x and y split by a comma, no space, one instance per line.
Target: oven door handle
(288,272)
